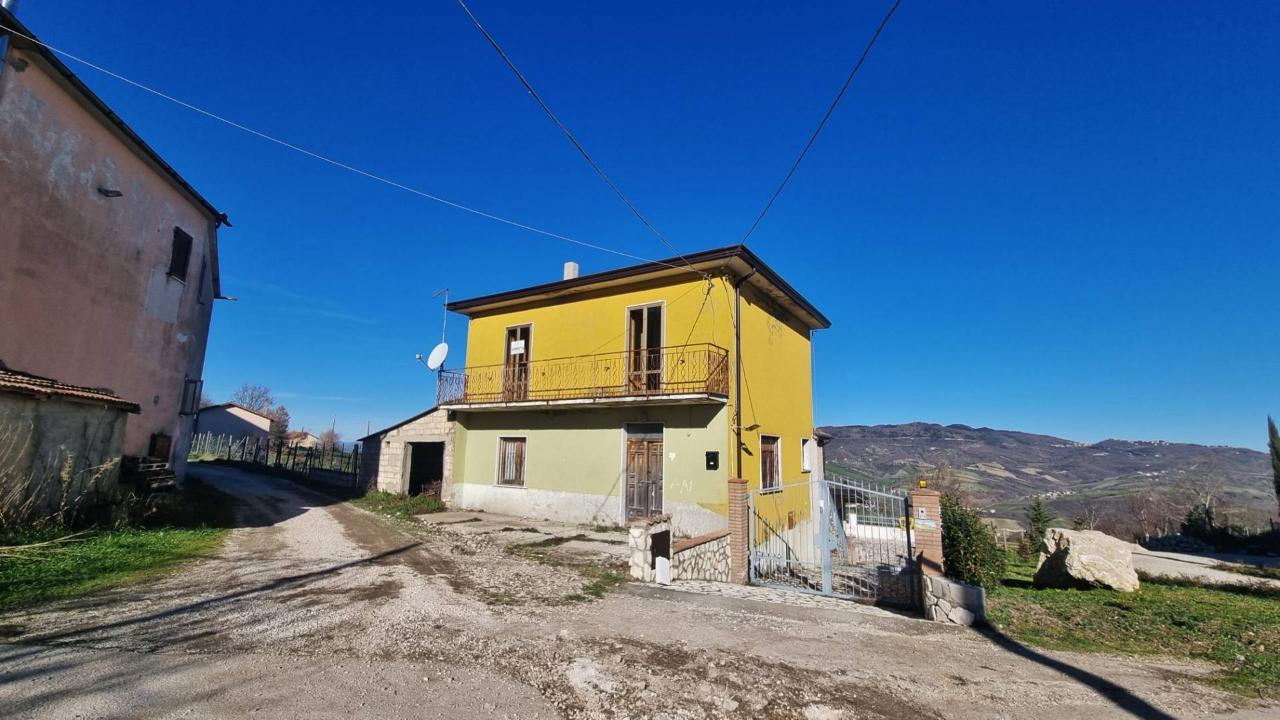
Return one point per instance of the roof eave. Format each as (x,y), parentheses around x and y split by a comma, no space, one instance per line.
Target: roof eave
(402,423)
(817,320)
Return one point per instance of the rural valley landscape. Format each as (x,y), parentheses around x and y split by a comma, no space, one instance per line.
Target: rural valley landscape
(1003,470)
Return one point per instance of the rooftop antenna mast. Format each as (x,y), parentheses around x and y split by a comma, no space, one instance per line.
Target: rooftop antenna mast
(444,320)
(436,360)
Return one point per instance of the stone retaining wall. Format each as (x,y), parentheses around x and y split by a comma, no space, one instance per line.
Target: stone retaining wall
(705,557)
(952,602)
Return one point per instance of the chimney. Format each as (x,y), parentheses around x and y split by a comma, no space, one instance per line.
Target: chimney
(570,270)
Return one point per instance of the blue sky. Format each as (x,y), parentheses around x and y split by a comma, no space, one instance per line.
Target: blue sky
(1052,217)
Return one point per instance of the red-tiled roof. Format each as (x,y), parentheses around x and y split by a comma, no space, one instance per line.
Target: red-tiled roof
(36,386)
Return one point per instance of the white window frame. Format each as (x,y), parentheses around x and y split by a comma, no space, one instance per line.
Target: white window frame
(524,465)
(777,459)
(806,455)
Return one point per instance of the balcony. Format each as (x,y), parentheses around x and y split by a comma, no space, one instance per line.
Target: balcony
(666,375)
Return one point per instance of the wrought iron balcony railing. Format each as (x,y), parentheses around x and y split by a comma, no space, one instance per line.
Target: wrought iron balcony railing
(701,369)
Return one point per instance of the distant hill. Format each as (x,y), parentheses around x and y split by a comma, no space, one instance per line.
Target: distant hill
(1002,469)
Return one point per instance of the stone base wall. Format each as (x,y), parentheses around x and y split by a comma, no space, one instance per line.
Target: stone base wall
(705,557)
(952,602)
(640,536)
(899,587)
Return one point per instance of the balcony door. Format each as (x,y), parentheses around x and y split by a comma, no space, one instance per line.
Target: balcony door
(515,374)
(644,338)
(644,470)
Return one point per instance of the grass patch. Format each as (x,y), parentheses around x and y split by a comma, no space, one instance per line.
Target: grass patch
(1236,628)
(398,506)
(603,582)
(1258,571)
(184,527)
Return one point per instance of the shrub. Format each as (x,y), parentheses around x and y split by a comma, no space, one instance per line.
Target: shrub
(969,546)
(1038,519)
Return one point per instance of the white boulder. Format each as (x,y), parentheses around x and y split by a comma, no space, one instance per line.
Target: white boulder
(1085,559)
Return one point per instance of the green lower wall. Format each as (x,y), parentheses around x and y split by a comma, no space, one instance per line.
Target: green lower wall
(582,451)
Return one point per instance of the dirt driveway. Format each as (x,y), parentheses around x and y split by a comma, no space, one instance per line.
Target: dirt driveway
(316,609)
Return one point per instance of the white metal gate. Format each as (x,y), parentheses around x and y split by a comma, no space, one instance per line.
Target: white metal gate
(835,536)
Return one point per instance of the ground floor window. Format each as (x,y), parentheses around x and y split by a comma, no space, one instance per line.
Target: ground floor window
(770,465)
(511,461)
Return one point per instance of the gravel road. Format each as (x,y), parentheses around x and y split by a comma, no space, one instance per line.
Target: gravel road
(1201,568)
(317,609)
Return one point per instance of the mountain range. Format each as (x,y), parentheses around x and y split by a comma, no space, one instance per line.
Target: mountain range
(1001,470)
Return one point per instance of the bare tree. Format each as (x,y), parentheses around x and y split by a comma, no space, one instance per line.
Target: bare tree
(330,438)
(205,400)
(1091,515)
(253,397)
(944,480)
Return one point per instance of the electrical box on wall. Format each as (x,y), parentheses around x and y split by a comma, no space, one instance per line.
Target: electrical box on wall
(713,459)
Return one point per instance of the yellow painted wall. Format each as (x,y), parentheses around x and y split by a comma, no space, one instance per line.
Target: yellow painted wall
(777,386)
(597,322)
(777,391)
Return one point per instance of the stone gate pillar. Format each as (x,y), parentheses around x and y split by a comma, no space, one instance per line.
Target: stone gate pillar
(926,519)
(739,531)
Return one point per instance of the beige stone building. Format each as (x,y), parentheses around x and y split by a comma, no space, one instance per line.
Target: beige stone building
(108,257)
(412,457)
(234,421)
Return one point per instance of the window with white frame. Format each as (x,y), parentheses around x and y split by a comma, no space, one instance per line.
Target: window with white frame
(806,454)
(770,463)
(511,461)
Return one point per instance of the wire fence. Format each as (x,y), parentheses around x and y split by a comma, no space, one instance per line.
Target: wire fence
(285,455)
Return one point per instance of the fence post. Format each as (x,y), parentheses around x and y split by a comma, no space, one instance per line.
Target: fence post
(739,531)
(926,506)
(824,520)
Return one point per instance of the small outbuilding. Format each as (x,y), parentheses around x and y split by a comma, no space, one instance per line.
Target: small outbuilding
(412,457)
(64,446)
(233,420)
(302,439)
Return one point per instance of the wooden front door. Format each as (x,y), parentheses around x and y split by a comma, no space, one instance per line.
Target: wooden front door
(644,471)
(644,343)
(515,375)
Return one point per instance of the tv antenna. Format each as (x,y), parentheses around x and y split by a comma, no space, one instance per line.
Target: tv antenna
(444,320)
(435,361)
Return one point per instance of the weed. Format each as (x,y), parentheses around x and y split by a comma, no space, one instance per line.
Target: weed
(398,506)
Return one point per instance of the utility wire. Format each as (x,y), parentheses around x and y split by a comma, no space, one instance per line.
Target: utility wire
(338,163)
(848,81)
(568,133)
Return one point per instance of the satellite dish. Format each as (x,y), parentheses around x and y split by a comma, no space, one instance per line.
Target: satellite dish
(438,354)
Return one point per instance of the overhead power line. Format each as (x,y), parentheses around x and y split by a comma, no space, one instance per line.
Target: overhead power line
(337,163)
(567,133)
(848,81)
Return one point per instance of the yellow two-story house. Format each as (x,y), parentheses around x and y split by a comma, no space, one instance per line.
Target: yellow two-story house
(635,392)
